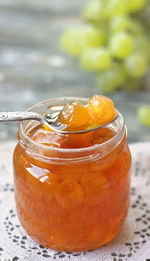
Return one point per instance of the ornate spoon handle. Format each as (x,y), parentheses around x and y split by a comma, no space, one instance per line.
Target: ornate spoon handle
(19,116)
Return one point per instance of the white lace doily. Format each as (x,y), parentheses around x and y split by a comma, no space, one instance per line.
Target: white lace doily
(133,242)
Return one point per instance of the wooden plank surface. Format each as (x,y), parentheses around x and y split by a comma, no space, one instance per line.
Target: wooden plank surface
(33,68)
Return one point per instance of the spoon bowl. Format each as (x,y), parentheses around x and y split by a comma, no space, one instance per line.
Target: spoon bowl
(55,125)
(50,120)
(50,115)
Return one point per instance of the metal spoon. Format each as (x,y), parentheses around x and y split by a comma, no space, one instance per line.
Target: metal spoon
(50,120)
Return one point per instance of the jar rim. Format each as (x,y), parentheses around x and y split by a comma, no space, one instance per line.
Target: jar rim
(25,139)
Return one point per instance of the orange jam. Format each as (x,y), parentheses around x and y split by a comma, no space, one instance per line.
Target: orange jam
(72,190)
(98,111)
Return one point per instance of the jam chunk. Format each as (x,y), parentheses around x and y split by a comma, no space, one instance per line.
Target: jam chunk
(40,183)
(74,116)
(94,187)
(101,110)
(69,194)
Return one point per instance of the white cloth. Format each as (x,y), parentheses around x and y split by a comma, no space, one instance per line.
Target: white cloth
(132,243)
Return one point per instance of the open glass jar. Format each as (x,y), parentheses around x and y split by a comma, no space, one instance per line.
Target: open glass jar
(72,191)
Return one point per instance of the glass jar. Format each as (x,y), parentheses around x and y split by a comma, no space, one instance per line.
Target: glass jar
(72,199)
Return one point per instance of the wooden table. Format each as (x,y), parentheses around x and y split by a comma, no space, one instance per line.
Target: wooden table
(33,68)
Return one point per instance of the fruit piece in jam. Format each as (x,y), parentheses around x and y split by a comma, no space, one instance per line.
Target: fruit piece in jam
(74,116)
(101,110)
(69,194)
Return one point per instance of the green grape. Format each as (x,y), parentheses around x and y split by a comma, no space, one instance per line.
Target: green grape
(144,16)
(143,115)
(121,45)
(136,5)
(70,42)
(136,28)
(74,41)
(120,23)
(111,79)
(95,11)
(117,7)
(95,59)
(141,45)
(136,65)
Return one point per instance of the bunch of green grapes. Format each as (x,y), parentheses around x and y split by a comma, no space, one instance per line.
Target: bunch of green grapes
(113,42)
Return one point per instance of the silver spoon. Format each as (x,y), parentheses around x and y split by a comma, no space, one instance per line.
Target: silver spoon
(50,120)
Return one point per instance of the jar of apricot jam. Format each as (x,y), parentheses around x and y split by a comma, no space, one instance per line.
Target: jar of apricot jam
(72,190)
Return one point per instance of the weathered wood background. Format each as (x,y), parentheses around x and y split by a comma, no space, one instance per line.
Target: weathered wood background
(33,68)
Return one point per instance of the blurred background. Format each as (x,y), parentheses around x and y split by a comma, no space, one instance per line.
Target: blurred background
(34,68)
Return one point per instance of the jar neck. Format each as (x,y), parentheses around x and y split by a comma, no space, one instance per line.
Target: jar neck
(46,153)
